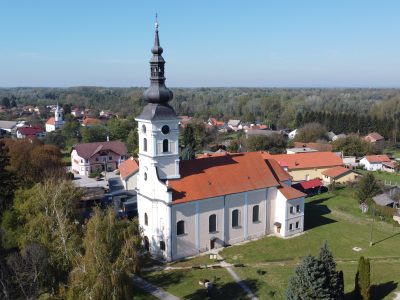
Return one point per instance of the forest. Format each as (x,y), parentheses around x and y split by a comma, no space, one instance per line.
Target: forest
(336,108)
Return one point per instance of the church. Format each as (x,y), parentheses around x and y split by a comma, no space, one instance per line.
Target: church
(54,123)
(186,207)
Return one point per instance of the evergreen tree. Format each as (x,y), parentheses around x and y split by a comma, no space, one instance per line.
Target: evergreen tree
(188,137)
(308,281)
(367,187)
(362,280)
(333,283)
(188,153)
(7,179)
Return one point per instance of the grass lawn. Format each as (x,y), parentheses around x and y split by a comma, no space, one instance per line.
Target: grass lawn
(394,151)
(332,216)
(384,176)
(185,283)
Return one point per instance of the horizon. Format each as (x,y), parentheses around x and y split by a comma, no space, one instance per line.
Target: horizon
(206,45)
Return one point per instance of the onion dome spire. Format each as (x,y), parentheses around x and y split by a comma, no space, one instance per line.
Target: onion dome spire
(157,92)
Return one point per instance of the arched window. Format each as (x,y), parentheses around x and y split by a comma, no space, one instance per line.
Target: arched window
(235,218)
(256,210)
(144,144)
(162,245)
(180,227)
(212,223)
(146,219)
(165,145)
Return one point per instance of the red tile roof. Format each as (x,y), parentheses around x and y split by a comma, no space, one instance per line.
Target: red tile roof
(27,131)
(290,193)
(91,121)
(51,121)
(89,149)
(377,158)
(306,160)
(373,137)
(277,170)
(336,171)
(215,176)
(310,184)
(128,167)
(390,164)
(316,146)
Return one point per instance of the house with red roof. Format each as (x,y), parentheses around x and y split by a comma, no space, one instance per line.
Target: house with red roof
(186,207)
(97,157)
(307,166)
(375,139)
(88,122)
(128,172)
(340,174)
(374,162)
(29,132)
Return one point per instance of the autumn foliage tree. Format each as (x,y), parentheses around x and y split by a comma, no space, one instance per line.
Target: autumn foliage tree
(311,132)
(34,162)
(111,253)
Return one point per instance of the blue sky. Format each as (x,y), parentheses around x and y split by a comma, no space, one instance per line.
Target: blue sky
(255,43)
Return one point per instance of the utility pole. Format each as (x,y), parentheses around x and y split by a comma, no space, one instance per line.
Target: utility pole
(372,224)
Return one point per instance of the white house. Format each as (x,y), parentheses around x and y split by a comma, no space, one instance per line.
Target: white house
(374,162)
(55,122)
(187,207)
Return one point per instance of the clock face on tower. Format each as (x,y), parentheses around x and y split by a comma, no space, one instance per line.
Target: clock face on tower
(165,129)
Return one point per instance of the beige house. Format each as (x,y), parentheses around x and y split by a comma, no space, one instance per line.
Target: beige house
(339,175)
(307,166)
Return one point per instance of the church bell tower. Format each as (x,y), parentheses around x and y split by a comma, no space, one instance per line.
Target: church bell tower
(158,126)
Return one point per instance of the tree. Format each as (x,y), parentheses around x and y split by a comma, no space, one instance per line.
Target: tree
(362,280)
(274,143)
(353,145)
(334,282)
(46,215)
(188,137)
(308,281)
(55,138)
(70,132)
(94,134)
(367,188)
(119,129)
(311,132)
(6,102)
(13,103)
(29,269)
(132,142)
(7,179)
(112,253)
(188,153)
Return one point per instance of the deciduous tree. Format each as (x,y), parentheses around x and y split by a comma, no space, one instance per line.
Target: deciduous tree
(112,253)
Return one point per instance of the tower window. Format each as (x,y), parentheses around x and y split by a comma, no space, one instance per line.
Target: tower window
(145,144)
(235,218)
(165,129)
(144,128)
(146,219)
(145,176)
(180,228)
(212,223)
(165,145)
(256,210)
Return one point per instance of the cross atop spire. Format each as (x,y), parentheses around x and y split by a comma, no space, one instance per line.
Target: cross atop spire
(156,24)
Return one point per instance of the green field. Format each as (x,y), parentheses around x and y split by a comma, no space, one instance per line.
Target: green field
(393,178)
(332,216)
